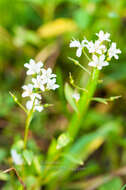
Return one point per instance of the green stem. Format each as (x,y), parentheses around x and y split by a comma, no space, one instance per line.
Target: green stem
(86,55)
(28,121)
(81,66)
(83,104)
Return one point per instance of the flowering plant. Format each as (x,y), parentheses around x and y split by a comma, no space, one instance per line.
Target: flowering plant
(66,150)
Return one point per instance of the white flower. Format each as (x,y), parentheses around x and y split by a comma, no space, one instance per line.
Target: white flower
(16,157)
(98,62)
(37,106)
(112,52)
(27,90)
(103,36)
(96,47)
(35,95)
(47,75)
(76,43)
(33,67)
(76,96)
(38,82)
(51,84)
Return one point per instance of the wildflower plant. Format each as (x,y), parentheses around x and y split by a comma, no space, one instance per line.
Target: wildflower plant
(41,80)
(99,54)
(66,149)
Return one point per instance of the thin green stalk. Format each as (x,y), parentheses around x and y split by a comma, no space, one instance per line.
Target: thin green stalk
(81,66)
(27,124)
(78,64)
(86,55)
(17,101)
(83,104)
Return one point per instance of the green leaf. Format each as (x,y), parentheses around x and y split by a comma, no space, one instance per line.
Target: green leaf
(74,159)
(63,140)
(36,162)
(68,94)
(84,147)
(114,184)
(124,187)
(28,156)
(106,100)
(18,145)
(101,100)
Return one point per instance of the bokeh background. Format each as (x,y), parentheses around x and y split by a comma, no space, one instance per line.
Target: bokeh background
(42,30)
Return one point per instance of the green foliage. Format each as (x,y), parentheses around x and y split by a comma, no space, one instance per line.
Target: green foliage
(71,145)
(68,94)
(114,184)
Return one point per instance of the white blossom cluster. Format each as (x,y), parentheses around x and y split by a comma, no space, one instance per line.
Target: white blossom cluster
(42,80)
(101,54)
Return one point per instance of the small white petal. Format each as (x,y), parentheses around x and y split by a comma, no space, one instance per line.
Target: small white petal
(29,105)
(79,52)
(16,157)
(75,43)
(32,61)
(24,94)
(39,108)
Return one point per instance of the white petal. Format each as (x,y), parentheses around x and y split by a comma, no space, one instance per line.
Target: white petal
(92,64)
(116,56)
(40,64)
(29,105)
(32,61)
(16,157)
(26,65)
(29,72)
(99,67)
(30,86)
(36,95)
(118,51)
(39,108)
(24,87)
(75,43)
(101,58)
(24,94)
(79,52)
(95,58)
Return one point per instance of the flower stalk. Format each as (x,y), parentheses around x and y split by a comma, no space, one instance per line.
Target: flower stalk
(83,104)
(27,124)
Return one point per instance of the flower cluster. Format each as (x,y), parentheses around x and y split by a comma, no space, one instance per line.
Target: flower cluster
(42,80)
(99,50)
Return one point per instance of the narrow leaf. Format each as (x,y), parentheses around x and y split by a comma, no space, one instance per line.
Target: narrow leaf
(28,156)
(68,94)
(63,140)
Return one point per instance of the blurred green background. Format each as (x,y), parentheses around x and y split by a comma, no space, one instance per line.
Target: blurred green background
(42,30)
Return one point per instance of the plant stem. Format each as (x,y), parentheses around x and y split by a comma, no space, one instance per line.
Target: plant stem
(83,104)
(82,67)
(27,124)
(86,55)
